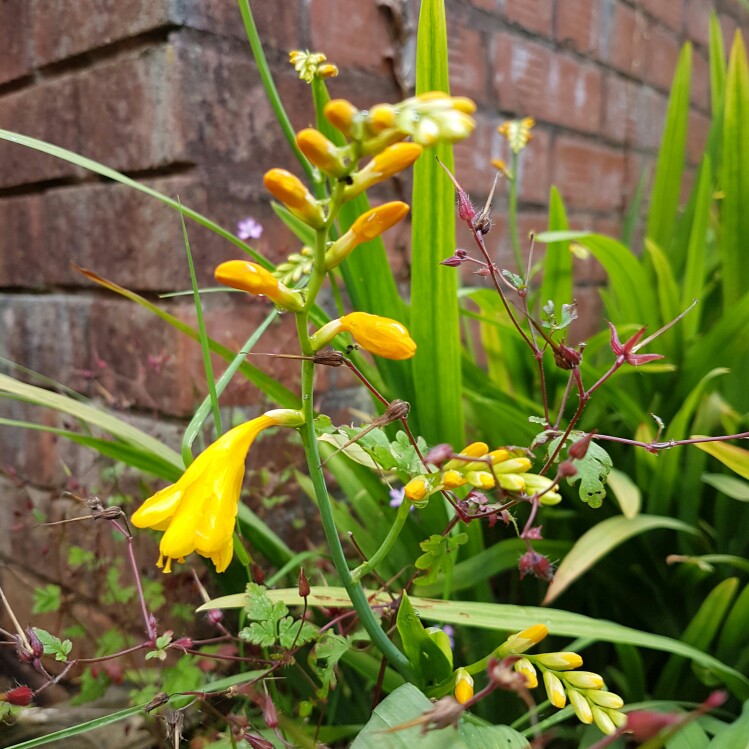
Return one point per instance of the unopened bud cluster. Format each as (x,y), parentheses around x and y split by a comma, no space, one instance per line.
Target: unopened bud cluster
(482,469)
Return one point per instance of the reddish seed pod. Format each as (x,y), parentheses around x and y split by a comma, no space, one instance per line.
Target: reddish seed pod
(20,696)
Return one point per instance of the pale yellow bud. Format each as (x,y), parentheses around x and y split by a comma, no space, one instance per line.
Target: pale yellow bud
(554,689)
(562,661)
(581,706)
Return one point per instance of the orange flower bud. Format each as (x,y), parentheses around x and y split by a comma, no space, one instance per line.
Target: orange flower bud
(291,191)
(379,335)
(463,686)
(341,114)
(381,117)
(320,151)
(254,279)
(385,164)
(328,70)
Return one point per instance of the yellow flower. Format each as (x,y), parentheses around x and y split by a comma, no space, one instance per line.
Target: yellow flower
(254,279)
(584,679)
(562,661)
(581,706)
(198,512)
(463,686)
(320,151)
(290,190)
(369,225)
(416,489)
(311,64)
(607,720)
(379,335)
(606,699)
(522,641)
(384,165)
(517,132)
(453,479)
(481,479)
(342,114)
(525,667)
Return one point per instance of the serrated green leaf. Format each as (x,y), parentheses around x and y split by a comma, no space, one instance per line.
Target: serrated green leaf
(261,633)
(592,473)
(437,556)
(54,645)
(47,598)
(329,650)
(292,631)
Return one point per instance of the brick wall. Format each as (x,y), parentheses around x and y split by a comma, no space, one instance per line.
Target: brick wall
(165,91)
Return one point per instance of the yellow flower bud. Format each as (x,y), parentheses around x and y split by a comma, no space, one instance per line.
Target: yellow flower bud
(606,699)
(341,114)
(554,689)
(584,679)
(453,479)
(513,465)
(517,132)
(328,70)
(291,191)
(581,706)
(510,482)
(474,450)
(463,686)
(379,335)
(385,164)
(369,225)
(562,661)
(604,720)
(463,104)
(254,279)
(617,718)
(522,641)
(320,151)
(481,479)
(381,117)
(498,456)
(416,489)
(525,667)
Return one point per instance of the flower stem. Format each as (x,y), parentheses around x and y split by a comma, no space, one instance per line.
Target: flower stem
(353,588)
(513,214)
(387,544)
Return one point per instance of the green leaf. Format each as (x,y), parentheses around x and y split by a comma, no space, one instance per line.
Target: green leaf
(717,65)
(592,472)
(731,456)
(48,598)
(437,556)
(491,737)
(91,687)
(734,635)
(599,541)
(735,736)
(116,592)
(509,618)
(700,632)
(404,705)
(297,631)
(728,485)
(303,232)
(627,493)
(668,292)
(324,657)
(735,178)
(634,211)
(260,633)
(425,655)
(80,557)
(54,645)
(664,197)
(556,284)
(259,606)
(560,235)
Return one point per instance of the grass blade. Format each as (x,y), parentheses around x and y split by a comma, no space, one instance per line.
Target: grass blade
(717,65)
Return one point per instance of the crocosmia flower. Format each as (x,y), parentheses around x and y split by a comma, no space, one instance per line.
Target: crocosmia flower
(199,511)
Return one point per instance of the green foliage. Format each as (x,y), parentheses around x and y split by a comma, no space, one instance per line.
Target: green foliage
(438,555)
(270,624)
(48,598)
(53,645)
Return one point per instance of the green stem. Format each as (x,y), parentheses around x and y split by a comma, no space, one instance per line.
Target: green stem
(354,589)
(513,217)
(392,536)
(271,90)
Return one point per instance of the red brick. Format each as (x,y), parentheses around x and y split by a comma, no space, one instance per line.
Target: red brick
(697,131)
(589,313)
(728,26)
(589,176)
(63,29)
(534,15)
(627,40)
(339,33)
(21,239)
(620,103)
(48,111)
(697,20)
(650,118)
(490,5)
(552,88)
(15,52)
(473,157)
(671,12)
(578,25)
(533,172)
(662,54)
(467,56)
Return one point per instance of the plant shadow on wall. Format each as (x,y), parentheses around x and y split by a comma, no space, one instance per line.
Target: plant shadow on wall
(331,645)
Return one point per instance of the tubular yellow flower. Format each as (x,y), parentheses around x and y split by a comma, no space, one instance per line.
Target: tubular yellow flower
(379,335)
(453,479)
(513,465)
(510,482)
(290,190)
(384,165)
(198,512)
(342,114)
(525,667)
(554,689)
(369,225)
(328,70)
(584,679)
(562,661)
(463,686)
(481,479)
(254,279)
(320,151)
(581,706)
(474,450)
(522,641)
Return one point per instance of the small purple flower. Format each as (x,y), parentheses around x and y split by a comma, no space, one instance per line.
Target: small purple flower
(397,496)
(450,632)
(248,228)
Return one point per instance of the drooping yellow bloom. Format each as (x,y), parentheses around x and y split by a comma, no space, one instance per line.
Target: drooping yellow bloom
(290,190)
(254,279)
(384,165)
(198,512)
(379,335)
(522,641)
(369,225)
(463,686)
